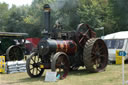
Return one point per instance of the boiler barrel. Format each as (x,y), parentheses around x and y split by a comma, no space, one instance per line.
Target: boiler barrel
(49,46)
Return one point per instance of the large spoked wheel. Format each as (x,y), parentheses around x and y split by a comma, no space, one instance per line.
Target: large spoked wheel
(14,53)
(95,55)
(60,64)
(33,65)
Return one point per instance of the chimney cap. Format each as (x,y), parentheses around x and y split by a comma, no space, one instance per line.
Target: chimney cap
(46,6)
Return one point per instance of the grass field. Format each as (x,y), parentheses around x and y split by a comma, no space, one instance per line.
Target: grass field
(112,76)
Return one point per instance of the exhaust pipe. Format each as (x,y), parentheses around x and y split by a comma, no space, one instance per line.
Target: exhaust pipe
(47,18)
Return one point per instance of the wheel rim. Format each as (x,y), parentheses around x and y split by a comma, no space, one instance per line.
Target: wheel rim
(99,55)
(33,66)
(62,66)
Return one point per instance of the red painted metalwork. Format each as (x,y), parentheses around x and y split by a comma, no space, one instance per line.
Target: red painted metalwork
(34,41)
(67,46)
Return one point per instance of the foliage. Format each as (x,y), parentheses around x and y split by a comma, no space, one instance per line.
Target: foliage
(110,14)
(4,15)
(119,11)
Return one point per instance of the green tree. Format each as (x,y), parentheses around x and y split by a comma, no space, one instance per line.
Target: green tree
(120,11)
(16,19)
(4,15)
(110,14)
(97,13)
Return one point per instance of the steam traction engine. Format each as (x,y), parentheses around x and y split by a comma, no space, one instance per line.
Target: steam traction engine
(64,51)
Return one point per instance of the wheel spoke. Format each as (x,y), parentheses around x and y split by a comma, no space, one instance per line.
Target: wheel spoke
(101,49)
(31,68)
(94,58)
(96,64)
(102,56)
(59,70)
(38,59)
(31,64)
(33,71)
(33,60)
(38,69)
(96,47)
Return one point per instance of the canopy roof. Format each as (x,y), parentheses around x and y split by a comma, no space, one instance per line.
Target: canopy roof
(117,35)
(12,34)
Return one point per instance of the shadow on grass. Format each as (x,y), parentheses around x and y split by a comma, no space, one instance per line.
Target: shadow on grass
(23,80)
(28,79)
(81,72)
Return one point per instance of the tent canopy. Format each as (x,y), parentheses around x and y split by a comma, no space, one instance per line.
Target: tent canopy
(117,35)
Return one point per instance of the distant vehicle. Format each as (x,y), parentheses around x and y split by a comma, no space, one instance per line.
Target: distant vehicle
(12,45)
(34,41)
(31,44)
(117,41)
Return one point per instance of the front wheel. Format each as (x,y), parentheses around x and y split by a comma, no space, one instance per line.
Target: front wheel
(60,64)
(33,65)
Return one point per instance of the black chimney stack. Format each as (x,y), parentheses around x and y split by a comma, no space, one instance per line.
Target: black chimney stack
(47,17)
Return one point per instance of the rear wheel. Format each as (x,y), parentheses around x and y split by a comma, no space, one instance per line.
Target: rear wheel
(60,64)
(33,65)
(95,55)
(14,53)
